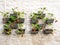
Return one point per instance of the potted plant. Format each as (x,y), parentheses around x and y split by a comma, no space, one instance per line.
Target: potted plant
(20,30)
(40,14)
(33,19)
(20,17)
(5,17)
(47,31)
(13,16)
(49,21)
(6,30)
(35,29)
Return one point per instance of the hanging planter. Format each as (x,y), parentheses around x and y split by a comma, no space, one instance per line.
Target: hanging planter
(48,31)
(6,30)
(33,21)
(5,17)
(20,30)
(49,21)
(35,29)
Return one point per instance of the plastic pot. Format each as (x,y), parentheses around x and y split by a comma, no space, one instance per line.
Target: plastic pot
(49,21)
(47,31)
(33,21)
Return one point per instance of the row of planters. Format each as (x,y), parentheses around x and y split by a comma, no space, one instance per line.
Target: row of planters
(13,20)
(46,18)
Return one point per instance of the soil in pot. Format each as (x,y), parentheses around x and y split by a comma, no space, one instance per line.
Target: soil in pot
(20,20)
(34,31)
(48,31)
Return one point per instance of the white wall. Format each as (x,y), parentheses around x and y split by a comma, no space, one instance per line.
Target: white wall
(30,6)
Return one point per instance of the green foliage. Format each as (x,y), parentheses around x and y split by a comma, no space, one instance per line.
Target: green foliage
(17,31)
(36,26)
(40,14)
(20,25)
(6,26)
(5,14)
(13,18)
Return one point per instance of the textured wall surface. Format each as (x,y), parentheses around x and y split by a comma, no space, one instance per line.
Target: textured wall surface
(30,6)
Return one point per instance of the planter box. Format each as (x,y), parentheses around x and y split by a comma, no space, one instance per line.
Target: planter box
(20,31)
(20,20)
(47,31)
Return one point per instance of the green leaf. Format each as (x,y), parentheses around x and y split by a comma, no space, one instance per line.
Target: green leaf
(6,26)
(13,17)
(33,25)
